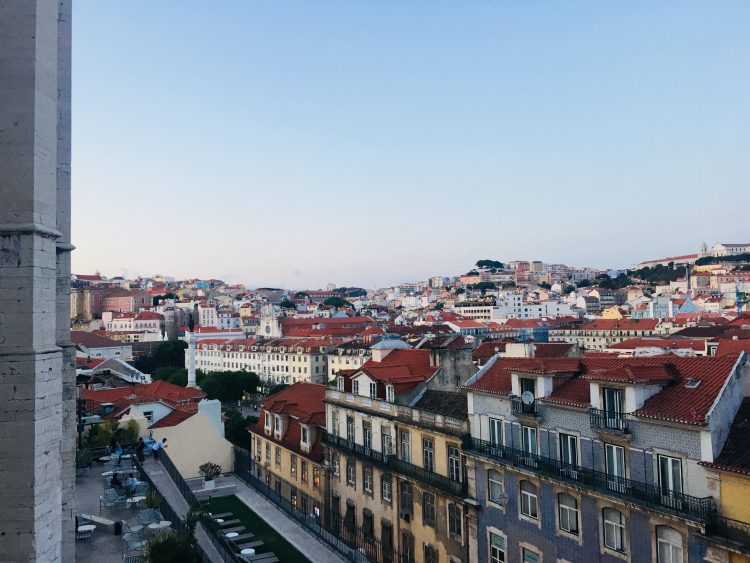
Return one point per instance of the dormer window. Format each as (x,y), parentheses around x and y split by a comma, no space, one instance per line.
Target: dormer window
(276,423)
(390,394)
(305,435)
(340,382)
(355,387)
(268,420)
(373,390)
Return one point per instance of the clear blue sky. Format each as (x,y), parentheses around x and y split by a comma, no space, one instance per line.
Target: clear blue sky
(366,143)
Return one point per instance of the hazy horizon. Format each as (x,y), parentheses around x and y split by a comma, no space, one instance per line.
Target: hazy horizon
(295,143)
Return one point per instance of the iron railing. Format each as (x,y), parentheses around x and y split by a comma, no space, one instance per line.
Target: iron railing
(609,420)
(352,542)
(733,530)
(518,407)
(392,463)
(645,494)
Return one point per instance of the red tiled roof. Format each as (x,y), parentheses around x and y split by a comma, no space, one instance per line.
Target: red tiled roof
(575,392)
(88,363)
(149,316)
(178,415)
(302,400)
(90,340)
(733,347)
(666,343)
(675,402)
(488,349)
(403,368)
(621,324)
(552,349)
(122,397)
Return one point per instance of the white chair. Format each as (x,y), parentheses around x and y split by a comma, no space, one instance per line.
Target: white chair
(133,541)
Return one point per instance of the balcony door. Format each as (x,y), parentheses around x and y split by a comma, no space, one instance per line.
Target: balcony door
(670,480)
(569,455)
(614,457)
(613,408)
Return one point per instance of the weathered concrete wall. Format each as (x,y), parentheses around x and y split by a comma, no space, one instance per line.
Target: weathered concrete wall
(36,360)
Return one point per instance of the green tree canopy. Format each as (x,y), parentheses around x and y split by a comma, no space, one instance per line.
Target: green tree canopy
(235,428)
(485,264)
(167,354)
(337,302)
(286,304)
(277,388)
(229,385)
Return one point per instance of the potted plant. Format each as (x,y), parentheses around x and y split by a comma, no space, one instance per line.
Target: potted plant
(153,500)
(210,471)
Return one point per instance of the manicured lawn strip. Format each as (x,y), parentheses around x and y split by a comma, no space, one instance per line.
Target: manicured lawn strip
(272,541)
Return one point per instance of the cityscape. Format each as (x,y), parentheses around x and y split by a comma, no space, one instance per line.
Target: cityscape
(374,282)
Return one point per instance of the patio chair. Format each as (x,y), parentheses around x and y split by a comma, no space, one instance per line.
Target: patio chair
(111,498)
(83,535)
(133,557)
(135,528)
(133,541)
(141,489)
(149,516)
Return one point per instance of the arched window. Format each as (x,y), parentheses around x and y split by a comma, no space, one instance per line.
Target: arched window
(529,500)
(568,507)
(614,529)
(668,545)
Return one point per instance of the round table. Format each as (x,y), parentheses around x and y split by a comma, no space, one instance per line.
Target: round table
(104,458)
(156,526)
(247,551)
(232,535)
(135,500)
(87,528)
(220,520)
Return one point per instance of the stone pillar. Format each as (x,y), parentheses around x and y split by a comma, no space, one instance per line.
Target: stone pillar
(191,360)
(34,136)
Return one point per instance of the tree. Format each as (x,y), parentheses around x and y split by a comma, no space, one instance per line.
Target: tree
(301,295)
(483,286)
(439,306)
(485,264)
(156,298)
(235,428)
(337,302)
(167,354)
(569,289)
(544,285)
(277,388)
(286,304)
(229,385)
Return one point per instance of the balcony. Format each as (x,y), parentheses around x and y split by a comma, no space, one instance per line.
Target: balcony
(391,463)
(609,420)
(431,478)
(645,494)
(732,532)
(519,408)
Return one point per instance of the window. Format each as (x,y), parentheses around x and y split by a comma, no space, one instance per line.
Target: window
(529,440)
(316,477)
(614,458)
(569,449)
(340,383)
(293,497)
(430,554)
(407,547)
(405,447)
(355,387)
(149,415)
(406,498)
(277,455)
(293,465)
(614,529)
(497,548)
(305,435)
(568,513)
(349,429)
(495,486)
(367,479)
(350,477)
(268,452)
(335,464)
(496,431)
(367,523)
(668,545)
(454,519)
(529,556)
(367,435)
(454,463)
(529,500)
(428,509)
(389,393)
(385,441)
(386,488)
(373,390)
(670,474)
(303,468)
(428,454)
(276,423)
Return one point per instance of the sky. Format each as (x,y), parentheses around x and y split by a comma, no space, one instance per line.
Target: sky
(365,143)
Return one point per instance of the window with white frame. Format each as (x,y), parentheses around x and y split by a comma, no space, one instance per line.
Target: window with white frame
(367,479)
(497,548)
(390,394)
(268,420)
(529,500)
(305,435)
(530,556)
(496,431)
(386,488)
(335,464)
(495,486)
(276,423)
(350,472)
(340,383)
(335,423)
(568,513)
(373,390)
(614,529)
(366,435)
(355,387)
(569,449)
(529,434)
(668,545)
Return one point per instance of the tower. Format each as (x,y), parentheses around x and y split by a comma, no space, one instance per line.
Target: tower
(37,375)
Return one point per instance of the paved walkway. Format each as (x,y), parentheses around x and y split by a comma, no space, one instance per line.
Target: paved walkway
(172,495)
(305,542)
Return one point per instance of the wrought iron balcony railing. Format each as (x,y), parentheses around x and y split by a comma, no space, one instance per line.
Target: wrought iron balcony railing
(518,407)
(646,494)
(734,531)
(392,463)
(609,420)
